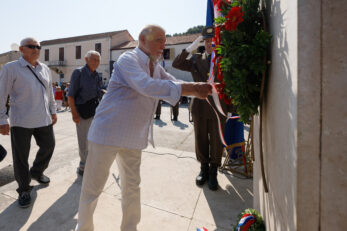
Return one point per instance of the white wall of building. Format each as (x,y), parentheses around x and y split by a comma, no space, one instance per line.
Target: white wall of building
(71,63)
(174,51)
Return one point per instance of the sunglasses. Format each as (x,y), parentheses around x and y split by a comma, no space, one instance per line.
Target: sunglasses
(33,47)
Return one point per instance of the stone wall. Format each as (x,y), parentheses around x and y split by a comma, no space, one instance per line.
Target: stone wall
(304,118)
(279,122)
(333,186)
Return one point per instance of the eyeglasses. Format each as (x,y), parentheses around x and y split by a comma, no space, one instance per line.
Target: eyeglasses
(33,47)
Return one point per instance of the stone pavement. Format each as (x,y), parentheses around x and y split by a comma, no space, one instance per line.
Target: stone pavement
(170,199)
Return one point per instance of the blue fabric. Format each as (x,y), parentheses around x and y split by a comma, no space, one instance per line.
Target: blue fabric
(234,133)
(85,85)
(209,13)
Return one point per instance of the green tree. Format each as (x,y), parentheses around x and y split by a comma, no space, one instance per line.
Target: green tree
(192,30)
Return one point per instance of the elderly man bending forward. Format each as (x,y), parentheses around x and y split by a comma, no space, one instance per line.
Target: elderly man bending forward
(123,124)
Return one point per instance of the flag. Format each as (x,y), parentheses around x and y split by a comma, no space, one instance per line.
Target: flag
(203,229)
(246,221)
(210,13)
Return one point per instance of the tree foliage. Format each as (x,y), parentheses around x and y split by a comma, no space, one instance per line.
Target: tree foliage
(192,30)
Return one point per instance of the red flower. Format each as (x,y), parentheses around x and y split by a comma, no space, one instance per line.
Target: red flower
(220,4)
(227,100)
(216,38)
(219,71)
(233,18)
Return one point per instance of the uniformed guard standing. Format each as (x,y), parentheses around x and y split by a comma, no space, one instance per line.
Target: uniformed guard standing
(208,146)
(175,111)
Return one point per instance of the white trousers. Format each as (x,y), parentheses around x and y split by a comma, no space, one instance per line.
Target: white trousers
(99,161)
(59,104)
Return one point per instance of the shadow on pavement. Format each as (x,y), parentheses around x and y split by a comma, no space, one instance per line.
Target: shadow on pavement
(236,197)
(159,123)
(6,175)
(179,124)
(14,217)
(60,216)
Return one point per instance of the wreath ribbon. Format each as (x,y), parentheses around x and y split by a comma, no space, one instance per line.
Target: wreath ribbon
(215,97)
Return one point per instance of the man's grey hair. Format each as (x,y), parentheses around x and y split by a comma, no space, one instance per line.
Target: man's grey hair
(25,41)
(147,30)
(90,53)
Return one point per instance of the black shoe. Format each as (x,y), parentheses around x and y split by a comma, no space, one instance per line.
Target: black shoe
(42,179)
(3,153)
(212,178)
(203,175)
(24,199)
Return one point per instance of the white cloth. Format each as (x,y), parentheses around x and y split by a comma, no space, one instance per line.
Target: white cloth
(194,45)
(124,117)
(31,103)
(99,161)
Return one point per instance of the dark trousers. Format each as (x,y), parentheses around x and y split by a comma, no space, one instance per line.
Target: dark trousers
(20,141)
(208,146)
(158,111)
(175,110)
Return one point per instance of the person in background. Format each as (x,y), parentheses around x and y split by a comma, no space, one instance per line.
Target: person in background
(175,111)
(158,110)
(208,146)
(84,92)
(59,97)
(65,94)
(54,86)
(28,82)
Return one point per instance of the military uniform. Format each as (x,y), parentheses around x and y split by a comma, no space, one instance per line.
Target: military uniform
(175,111)
(208,146)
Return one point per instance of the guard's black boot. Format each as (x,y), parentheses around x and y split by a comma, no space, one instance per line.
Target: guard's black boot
(212,177)
(203,175)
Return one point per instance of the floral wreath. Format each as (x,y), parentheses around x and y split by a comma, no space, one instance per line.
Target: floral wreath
(240,45)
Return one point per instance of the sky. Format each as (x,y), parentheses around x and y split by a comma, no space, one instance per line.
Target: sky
(48,19)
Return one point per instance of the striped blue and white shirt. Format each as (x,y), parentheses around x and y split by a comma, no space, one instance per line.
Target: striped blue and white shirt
(124,117)
(31,104)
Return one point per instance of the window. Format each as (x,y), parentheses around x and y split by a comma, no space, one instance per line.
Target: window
(61,54)
(98,47)
(46,54)
(78,52)
(166,54)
